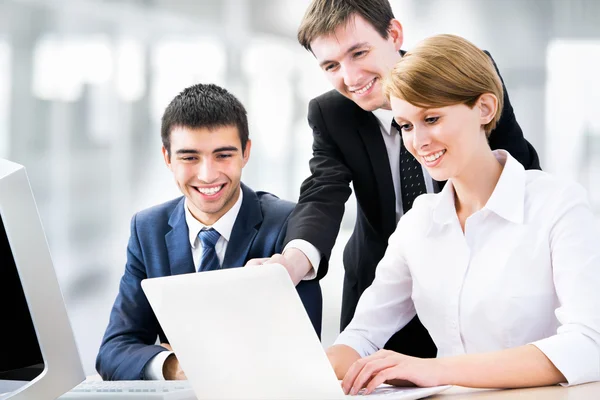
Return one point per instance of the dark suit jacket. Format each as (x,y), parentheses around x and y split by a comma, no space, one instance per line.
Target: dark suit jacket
(159,246)
(348,147)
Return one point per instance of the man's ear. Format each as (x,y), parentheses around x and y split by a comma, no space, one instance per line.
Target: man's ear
(167,157)
(396,33)
(247,152)
(488,107)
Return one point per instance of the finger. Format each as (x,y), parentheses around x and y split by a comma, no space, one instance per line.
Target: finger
(369,371)
(395,376)
(378,379)
(256,261)
(355,369)
(351,375)
(167,346)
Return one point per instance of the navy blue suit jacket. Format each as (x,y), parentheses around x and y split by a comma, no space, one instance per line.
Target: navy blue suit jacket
(159,246)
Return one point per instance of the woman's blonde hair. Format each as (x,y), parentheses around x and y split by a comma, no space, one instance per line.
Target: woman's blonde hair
(445,70)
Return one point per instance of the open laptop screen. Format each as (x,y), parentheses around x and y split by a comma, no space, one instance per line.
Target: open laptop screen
(20,358)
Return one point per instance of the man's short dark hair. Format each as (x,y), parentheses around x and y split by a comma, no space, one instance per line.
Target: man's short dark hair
(204,106)
(323,17)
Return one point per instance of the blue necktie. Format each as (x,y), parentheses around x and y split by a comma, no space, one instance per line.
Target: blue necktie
(209,260)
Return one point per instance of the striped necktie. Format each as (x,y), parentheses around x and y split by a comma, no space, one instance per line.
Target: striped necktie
(209,260)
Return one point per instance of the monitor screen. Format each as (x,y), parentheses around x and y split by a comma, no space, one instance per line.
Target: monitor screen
(20,358)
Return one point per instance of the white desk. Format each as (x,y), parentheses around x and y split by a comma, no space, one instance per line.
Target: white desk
(590,391)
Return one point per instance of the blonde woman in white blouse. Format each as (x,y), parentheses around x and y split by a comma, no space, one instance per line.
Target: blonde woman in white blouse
(502,266)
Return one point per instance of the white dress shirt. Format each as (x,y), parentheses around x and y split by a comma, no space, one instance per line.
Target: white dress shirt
(525,270)
(224,225)
(392,140)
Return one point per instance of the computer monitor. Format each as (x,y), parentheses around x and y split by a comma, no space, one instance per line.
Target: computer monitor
(38,346)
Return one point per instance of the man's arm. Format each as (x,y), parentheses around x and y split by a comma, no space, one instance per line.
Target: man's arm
(508,134)
(128,343)
(318,214)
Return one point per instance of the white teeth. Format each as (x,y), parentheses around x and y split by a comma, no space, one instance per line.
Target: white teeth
(367,87)
(434,156)
(210,191)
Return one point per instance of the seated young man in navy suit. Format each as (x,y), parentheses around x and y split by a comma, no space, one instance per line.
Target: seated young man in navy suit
(217,223)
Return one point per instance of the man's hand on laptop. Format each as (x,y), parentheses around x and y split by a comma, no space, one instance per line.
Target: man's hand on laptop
(171,369)
(294,261)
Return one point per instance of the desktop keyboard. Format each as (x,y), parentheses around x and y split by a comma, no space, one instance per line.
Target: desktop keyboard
(131,390)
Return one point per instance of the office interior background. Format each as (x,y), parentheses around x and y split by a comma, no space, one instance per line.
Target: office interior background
(83,84)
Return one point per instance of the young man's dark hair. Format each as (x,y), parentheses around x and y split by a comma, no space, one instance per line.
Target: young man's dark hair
(204,106)
(323,17)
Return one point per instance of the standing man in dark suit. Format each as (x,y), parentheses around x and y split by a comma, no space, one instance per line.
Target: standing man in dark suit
(356,43)
(218,223)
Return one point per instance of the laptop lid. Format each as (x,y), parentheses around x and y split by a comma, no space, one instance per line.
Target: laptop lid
(242,333)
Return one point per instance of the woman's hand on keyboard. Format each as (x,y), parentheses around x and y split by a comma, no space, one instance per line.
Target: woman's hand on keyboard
(390,367)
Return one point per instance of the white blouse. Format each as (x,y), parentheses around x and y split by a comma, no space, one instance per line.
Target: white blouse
(526,270)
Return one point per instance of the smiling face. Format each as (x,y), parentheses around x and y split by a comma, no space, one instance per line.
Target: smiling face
(447,139)
(207,167)
(355,59)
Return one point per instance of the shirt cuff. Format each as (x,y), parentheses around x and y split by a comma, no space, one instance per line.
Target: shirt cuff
(361,345)
(311,252)
(154,367)
(574,354)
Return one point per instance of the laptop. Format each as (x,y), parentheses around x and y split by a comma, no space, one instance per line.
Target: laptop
(243,333)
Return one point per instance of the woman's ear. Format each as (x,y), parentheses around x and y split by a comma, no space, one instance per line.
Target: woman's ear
(488,107)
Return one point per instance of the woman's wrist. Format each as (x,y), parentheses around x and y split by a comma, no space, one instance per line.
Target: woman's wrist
(442,370)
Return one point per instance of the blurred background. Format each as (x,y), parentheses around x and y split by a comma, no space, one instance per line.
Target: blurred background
(83,84)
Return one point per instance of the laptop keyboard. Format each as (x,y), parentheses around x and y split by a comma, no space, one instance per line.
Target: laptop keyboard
(381,393)
(131,390)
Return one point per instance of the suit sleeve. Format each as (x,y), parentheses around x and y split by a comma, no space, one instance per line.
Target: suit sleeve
(508,134)
(318,214)
(309,291)
(128,343)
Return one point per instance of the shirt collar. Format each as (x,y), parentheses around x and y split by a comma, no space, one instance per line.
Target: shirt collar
(507,199)
(224,225)
(385,120)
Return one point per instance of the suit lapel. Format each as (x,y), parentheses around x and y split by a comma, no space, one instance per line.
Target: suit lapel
(370,132)
(244,230)
(178,242)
